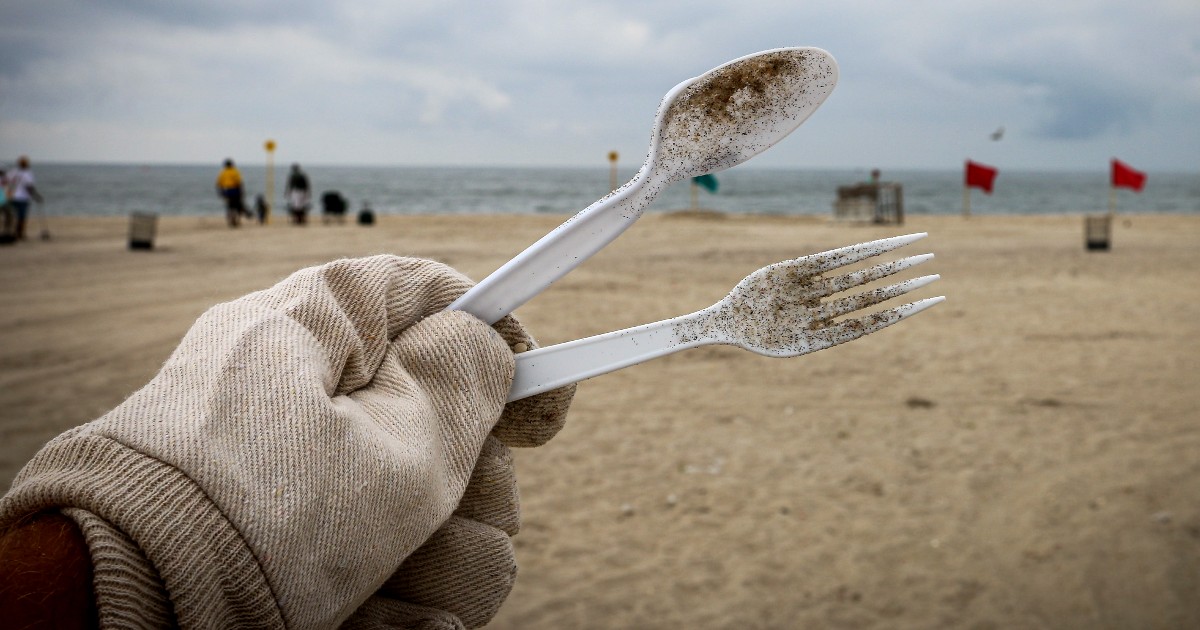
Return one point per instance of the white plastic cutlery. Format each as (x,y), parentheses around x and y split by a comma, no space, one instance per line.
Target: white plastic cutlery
(710,123)
(776,311)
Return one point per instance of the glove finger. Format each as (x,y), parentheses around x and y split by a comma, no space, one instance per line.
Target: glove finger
(457,371)
(354,307)
(466,569)
(535,420)
(491,497)
(380,612)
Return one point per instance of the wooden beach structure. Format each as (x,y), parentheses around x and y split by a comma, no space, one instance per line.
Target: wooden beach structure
(870,202)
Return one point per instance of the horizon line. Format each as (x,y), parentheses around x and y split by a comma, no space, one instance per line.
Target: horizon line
(285,164)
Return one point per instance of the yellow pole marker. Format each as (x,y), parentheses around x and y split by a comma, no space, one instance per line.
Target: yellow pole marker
(612,171)
(270,194)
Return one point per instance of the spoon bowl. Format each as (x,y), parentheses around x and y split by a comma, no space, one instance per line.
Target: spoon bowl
(735,111)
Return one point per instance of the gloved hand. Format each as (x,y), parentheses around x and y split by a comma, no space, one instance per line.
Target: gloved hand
(332,449)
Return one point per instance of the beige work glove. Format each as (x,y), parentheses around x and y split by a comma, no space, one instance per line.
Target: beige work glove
(331,450)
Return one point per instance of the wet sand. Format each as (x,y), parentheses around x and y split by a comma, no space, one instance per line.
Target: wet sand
(1025,455)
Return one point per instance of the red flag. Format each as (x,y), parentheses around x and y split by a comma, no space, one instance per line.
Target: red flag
(980,176)
(1125,176)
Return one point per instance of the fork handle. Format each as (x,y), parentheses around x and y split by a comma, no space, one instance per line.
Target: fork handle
(546,368)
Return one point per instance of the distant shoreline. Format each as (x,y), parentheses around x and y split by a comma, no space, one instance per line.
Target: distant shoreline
(258,162)
(118,189)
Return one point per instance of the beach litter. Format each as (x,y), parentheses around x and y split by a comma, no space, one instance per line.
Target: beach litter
(706,124)
(776,311)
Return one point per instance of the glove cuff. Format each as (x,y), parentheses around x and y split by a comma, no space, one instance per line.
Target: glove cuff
(212,577)
(129,593)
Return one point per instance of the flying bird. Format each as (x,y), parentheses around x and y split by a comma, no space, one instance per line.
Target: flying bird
(997,134)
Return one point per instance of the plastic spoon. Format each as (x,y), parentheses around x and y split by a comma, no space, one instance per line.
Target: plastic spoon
(707,124)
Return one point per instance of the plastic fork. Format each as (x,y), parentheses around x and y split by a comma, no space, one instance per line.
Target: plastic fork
(776,311)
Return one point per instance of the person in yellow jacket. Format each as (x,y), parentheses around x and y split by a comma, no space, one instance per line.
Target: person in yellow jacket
(229,187)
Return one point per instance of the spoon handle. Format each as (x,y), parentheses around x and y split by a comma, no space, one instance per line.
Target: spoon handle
(546,368)
(558,252)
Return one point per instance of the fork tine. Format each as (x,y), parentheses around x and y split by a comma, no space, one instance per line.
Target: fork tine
(857,278)
(824,261)
(853,303)
(852,329)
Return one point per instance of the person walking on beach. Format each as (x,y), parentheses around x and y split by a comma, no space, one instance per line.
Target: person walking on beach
(298,195)
(7,226)
(20,190)
(229,187)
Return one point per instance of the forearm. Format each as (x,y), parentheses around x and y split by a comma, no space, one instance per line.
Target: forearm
(46,574)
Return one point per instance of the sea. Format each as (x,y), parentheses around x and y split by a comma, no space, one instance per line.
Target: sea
(188,190)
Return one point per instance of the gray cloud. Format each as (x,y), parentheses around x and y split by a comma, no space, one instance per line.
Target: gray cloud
(1088,112)
(1096,69)
(529,81)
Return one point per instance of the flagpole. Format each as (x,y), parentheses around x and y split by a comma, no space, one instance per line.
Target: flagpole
(966,202)
(1112,200)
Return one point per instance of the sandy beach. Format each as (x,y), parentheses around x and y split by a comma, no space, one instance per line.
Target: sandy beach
(1025,455)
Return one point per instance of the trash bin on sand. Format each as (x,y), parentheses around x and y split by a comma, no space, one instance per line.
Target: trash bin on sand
(1097,232)
(142,226)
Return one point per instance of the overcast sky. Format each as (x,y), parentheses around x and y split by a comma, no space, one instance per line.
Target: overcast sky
(527,82)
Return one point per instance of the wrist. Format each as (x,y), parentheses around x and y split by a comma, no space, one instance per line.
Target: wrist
(46,574)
